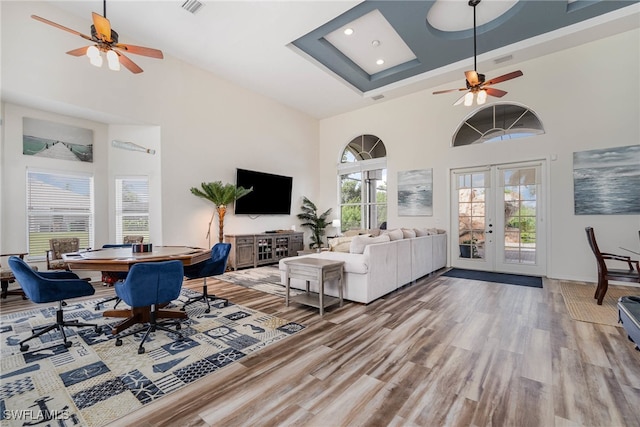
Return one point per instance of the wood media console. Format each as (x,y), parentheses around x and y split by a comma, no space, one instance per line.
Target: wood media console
(253,250)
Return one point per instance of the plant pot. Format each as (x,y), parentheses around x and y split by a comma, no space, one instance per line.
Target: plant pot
(465,251)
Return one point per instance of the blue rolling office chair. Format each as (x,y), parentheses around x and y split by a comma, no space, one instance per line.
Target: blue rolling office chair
(214,266)
(150,284)
(44,287)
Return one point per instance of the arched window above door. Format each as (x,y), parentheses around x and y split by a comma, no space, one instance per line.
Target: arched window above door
(497,122)
(363,147)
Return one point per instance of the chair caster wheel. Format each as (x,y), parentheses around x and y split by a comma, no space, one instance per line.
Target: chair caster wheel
(208,310)
(178,327)
(184,308)
(68,344)
(118,342)
(225,304)
(141,350)
(64,303)
(98,330)
(24,347)
(180,338)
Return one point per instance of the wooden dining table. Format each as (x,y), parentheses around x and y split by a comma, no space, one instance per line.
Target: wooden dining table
(114,260)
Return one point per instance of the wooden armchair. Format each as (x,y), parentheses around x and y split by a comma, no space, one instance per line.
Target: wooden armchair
(7,277)
(57,248)
(632,274)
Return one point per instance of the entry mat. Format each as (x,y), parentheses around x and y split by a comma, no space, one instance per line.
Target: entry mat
(485,276)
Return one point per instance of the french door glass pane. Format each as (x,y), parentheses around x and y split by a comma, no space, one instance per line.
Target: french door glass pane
(520,210)
(471,214)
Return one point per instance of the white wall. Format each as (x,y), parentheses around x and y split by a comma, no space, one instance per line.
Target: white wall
(586,97)
(203,128)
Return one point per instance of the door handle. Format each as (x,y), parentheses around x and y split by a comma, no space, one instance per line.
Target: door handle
(490,231)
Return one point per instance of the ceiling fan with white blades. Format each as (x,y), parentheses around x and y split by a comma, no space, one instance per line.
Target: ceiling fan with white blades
(105,41)
(476,86)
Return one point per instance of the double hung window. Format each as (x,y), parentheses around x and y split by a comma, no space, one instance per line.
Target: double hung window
(132,207)
(58,205)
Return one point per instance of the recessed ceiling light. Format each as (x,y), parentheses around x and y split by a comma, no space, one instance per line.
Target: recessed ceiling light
(375,43)
(348,31)
(380,61)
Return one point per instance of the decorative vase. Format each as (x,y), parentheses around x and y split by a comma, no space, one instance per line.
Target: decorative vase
(222,209)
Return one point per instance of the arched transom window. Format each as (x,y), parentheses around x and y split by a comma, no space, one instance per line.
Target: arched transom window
(497,122)
(362,177)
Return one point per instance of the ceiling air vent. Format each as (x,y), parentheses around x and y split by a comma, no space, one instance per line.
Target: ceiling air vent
(192,6)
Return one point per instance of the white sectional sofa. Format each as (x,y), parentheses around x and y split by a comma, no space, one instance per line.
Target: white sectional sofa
(381,267)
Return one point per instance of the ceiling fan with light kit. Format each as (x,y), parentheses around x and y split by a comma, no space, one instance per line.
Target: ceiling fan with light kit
(476,86)
(105,41)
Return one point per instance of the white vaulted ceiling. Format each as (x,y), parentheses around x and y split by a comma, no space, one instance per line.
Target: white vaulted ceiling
(283,49)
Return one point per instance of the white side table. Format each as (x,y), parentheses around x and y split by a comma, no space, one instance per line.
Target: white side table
(318,270)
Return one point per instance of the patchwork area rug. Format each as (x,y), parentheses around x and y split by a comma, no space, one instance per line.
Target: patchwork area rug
(485,276)
(264,279)
(582,306)
(94,382)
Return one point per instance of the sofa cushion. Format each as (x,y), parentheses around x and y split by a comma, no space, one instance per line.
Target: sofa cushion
(395,234)
(340,244)
(360,242)
(357,232)
(408,233)
(374,232)
(420,232)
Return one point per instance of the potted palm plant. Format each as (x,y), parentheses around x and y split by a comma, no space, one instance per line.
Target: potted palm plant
(221,195)
(316,223)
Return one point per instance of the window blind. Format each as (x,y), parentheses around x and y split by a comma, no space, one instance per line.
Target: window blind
(58,205)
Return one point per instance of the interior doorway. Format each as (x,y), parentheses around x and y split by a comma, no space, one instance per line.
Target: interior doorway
(497,218)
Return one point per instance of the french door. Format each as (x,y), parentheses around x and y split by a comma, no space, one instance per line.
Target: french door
(497,212)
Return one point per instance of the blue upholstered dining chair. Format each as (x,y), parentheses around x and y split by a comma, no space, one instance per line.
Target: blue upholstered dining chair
(150,284)
(44,287)
(214,266)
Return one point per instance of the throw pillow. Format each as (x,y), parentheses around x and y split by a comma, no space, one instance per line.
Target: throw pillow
(374,232)
(340,244)
(422,232)
(360,242)
(351,233)
(408,233)
(395,234)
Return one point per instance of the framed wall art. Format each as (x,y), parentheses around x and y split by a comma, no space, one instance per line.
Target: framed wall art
(607,181)
(42,138)
(415,192)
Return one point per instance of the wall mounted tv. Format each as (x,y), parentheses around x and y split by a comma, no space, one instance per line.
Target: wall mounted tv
(271,193)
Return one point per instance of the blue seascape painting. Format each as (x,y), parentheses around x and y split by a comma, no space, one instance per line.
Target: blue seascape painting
(415,192)
(607,181)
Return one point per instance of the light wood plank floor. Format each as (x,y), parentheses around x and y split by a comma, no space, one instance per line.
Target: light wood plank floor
(443,351)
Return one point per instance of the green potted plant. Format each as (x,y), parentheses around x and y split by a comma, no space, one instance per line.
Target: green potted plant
(221,195)
(316,223)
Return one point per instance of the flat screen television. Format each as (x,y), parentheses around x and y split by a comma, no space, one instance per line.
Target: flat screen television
(271,193)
